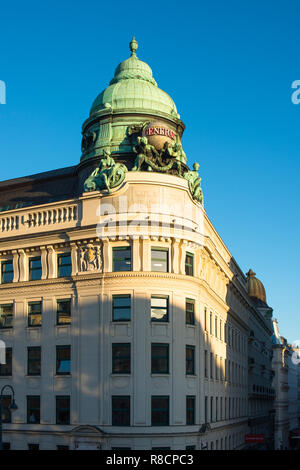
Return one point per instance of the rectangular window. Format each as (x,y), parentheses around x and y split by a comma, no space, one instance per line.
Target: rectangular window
(190,360)
(216,368)
(122,258)
(121,358)
(35,268)
(189,264)
(159,260)
(7,272)
(6,316)
(121,308)
(210,324)
(211,365)
(120,410)
(160,411)
(160,309)
(63,312)
(63,360)
(190,410)
(33,409)
(190,312)
(34,360)
(159,358)
(221,330)
(6,412)
(205,364)
(206,410)
(217,406)
(6,369)
(64,265)
(216,327)
(62,410)
(35,314)
(211,409)
(205,319)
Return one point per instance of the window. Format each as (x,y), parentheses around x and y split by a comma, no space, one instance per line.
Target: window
(63,312)
(159,309)
(63,360)
(210,324)
(205,364)
(6,316)
(216,327)
(6,369)
(211,365)
(62,410)
(159,260)
(190,410)
(190,312)
(159,358)
(206,410)
(211,409)
(33,447)
(35,268)
(7,272)
(160,410)
(35,314)
(33,409)
(220,330)
(6,412)
(120,410)
(34,360)
(121,358)
(190,360)
(205,319)
(189,264)
(217,409)
(64,265)
(121,308)
(122,258)
(5,445)
(216,368)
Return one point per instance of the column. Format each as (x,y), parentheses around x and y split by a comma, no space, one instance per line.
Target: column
(74,259)
(51,262)
(136,254)
(44,262)
(23,266)
(107,256)
(175,256)
(16,265)
(146,257)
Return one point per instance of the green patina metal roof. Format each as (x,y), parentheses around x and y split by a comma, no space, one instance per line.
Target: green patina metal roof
(134,88)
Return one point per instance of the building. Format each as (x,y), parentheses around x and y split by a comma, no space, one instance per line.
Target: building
(286,383)
(125,317)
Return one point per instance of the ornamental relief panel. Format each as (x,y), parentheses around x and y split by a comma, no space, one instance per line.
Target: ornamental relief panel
(89,258)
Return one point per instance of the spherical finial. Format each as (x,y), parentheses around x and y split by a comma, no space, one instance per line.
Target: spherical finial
(133,46)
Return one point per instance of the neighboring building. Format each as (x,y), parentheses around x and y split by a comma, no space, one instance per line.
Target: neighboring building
(286,382)
(127,330)
(261,393)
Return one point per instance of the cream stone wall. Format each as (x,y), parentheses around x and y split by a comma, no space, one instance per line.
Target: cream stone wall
(218,287)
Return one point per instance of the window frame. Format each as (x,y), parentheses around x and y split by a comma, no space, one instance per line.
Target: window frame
(161,250)
(61,348)
(192,321)
(166,358)
(7,263)
(60,313)
(57,409)
(189,266)
(122,411)
(189,347)
(34,360)
(189,409)
(121,248)
(31,269)
(11,316)
(29,408)
(115,308)
(159,411)
(29,314)
(123,357)
(61,256)
(165,318)
(8,363)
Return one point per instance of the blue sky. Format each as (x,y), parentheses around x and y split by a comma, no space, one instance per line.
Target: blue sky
(228,66)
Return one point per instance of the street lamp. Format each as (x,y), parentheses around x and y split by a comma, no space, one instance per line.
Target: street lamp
(12,407)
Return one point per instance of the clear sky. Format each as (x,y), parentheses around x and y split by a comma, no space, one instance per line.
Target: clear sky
(228,65)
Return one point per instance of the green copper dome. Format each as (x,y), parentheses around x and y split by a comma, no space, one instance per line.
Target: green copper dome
(133,88)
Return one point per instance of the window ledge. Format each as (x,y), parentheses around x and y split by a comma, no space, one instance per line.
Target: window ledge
(118,374)
(160,374)
(28,376)
(62,375)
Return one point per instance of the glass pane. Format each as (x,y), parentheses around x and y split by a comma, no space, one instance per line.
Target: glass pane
(64,265)
(159,302)
(35,320)
(121,358)
(35,269)
(7,271)
(63,312)
(122,259)
(121,314)
(123,301)
(159,260)
(160,411)
(6,316)
(121,411)
(63,360)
